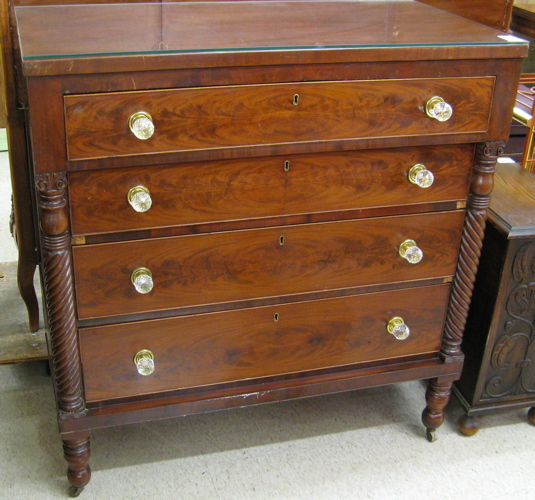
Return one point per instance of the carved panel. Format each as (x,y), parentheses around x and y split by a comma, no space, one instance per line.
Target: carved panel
(512,370)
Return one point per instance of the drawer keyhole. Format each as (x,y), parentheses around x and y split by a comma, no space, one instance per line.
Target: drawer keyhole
(296,99)
(287,165)
(281,240)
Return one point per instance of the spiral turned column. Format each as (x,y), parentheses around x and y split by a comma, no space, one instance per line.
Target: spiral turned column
(58,284)
(439,390)
(472,240)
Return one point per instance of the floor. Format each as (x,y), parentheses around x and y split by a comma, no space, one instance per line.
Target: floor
(367,444)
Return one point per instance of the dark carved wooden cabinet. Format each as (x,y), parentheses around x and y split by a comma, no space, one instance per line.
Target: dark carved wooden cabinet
(257,201)
(499,343)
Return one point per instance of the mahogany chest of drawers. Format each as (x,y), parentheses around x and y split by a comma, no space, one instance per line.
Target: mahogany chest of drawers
(257,201)
(499,369)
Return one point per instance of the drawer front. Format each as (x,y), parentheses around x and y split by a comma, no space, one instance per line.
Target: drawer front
(215,348)
(196,193)
(241,265)
(238,116)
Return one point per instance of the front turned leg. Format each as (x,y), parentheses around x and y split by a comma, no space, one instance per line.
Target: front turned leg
(76,452)
(437,397)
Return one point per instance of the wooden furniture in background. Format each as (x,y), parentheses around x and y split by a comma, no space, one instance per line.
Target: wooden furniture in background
(223,225)
(523,19)
(493,13)
(20,156)
(499,342)
(523,114)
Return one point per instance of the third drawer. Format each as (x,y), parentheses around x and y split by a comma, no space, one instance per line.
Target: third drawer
(243,265)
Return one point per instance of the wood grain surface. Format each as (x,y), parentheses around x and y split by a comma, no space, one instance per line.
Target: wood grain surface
(224,347)
(248,115)
(239,265)
(205,192)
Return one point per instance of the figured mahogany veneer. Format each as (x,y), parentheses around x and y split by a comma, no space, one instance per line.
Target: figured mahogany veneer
(239,265)
(198,350)
(278,174)
(194,193)
(251,115)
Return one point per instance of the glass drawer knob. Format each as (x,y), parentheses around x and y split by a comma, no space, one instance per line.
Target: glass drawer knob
(139,199)
(397,327)
(144,361)
(409,251)
(142,280)
(438,109)
(141,125)
(420,176)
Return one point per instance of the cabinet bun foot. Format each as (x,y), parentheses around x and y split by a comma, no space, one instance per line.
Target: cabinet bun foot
(531,415)
(468,426)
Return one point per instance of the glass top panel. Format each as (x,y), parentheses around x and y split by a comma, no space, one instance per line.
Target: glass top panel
(67,31)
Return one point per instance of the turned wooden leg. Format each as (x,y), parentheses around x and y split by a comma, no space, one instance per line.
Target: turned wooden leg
(468,426)
(437,397)
(76,452)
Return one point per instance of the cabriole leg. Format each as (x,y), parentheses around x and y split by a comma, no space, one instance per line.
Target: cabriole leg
(76,451)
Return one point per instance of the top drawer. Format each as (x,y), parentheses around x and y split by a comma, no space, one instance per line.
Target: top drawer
(251,115)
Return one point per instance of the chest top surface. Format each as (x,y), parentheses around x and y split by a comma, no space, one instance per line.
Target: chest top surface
(61,39)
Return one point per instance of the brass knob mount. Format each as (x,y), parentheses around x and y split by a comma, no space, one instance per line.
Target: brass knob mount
(397,327)
(419,175)
(144,361)
(139,198)
(141,125)
(410,252)
(438,108)
(141,278)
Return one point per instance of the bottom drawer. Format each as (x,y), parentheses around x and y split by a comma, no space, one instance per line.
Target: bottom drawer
(230,346)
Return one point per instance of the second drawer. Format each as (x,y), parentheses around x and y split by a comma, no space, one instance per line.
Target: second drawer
(242,265)
(206,192)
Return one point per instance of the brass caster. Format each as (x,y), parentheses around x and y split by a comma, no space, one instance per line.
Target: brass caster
(468,426)
(431,436)
(74,491)
(531,415)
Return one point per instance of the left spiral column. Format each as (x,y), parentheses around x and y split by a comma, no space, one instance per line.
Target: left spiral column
(58,285)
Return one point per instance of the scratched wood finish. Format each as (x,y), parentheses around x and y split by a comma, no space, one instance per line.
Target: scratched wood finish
(240,265)
(230,346)
(194,193)
(249,115)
